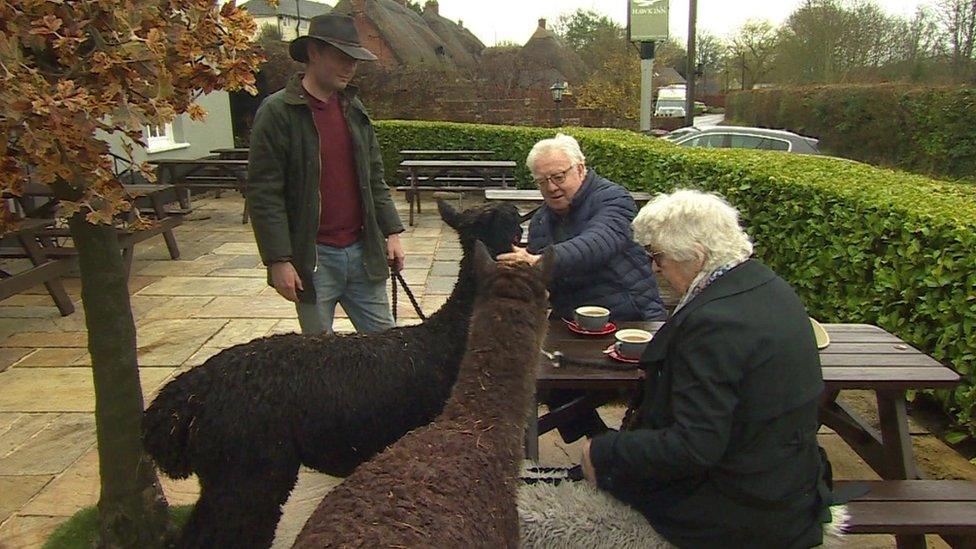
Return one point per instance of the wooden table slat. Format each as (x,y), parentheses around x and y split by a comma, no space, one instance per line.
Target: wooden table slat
(915,490)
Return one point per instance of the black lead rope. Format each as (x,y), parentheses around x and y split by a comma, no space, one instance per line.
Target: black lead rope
(394,277)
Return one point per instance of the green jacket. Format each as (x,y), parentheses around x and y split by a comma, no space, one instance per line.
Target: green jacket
(724,452)
(283,183)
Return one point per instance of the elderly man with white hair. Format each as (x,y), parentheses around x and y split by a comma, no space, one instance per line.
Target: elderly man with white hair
(721,449)
(586,221)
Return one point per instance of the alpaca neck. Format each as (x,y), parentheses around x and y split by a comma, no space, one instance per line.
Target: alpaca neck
(499,366)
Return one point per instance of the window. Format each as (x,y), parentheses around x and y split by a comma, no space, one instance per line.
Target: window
(710,141)
(158,137)
(744,141)
(774,145)
(161,138)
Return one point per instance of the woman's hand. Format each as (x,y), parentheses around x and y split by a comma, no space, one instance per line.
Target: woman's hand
(588,471)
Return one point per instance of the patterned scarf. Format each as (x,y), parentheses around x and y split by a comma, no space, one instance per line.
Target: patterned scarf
(702,281)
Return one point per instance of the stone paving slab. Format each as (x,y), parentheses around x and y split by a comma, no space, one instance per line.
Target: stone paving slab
(60,389)
(187,285)
(27,532)
(270,305)
(10,355)
(51,450)
(174,307)
(47,339)
(241,331)
(49,358)
(170,342)
(17,491)
(16,428)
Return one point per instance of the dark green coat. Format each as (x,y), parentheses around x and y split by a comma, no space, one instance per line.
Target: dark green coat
(724,452)
(283,183)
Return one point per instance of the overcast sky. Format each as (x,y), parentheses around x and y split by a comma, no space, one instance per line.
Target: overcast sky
(515,20)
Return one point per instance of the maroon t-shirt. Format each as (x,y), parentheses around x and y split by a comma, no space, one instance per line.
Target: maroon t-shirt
(341,212)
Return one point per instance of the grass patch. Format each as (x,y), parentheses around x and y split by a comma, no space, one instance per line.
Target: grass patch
(81,530)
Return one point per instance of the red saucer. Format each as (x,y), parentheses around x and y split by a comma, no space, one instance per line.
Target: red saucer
(611,352)
(609,328)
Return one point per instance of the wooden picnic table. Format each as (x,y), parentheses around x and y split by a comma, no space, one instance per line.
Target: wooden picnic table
(446,174)
(206,173)
(860,356)
(157,197)
(445,154)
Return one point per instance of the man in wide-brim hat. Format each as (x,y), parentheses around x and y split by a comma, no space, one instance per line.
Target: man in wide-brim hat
(322,215)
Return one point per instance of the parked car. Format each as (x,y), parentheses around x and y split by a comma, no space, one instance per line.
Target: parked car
(740,137)
(677,134)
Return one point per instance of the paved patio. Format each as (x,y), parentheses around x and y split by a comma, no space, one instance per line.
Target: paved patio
(214,297)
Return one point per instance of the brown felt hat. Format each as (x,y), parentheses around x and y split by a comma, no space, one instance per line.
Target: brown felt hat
(337,30)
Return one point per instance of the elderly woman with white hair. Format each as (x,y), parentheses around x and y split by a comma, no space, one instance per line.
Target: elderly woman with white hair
(721,450)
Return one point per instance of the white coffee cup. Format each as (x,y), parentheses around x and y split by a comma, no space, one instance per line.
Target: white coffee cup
(632,342)
(591,318)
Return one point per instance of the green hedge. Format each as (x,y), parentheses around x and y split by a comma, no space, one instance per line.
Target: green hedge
(860,244)
(924,130)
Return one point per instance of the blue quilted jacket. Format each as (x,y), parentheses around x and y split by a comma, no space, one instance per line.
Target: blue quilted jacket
(597,260)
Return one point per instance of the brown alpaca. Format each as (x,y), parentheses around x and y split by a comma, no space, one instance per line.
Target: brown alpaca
(452,483)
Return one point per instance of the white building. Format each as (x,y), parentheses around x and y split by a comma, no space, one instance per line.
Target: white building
(290,17)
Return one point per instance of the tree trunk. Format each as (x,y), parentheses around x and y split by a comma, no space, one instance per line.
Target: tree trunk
(131,508)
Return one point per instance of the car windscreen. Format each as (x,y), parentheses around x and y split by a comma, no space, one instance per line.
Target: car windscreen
(671,103)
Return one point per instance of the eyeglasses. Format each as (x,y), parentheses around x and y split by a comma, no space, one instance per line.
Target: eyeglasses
(557,178)
(655,256)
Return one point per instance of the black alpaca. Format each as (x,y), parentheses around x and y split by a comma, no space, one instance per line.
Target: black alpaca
(249,416)
(452,483)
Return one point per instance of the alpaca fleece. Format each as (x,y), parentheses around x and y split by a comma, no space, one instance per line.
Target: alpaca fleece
(452,483)
(249,416)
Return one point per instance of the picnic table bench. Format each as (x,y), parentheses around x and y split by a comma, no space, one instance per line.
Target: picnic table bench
(859,356)
(203,173)
(913,508)
(45,268)
(452,175)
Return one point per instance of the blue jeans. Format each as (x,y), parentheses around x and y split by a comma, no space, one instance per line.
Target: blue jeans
(340,277)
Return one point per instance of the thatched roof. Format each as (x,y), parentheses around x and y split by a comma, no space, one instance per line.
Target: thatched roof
(550,60)
(410,39)
(291,8)
(462,46)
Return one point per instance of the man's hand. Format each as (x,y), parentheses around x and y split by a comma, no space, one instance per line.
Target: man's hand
(588,471)
(394,252)
(286,280)
(520,254)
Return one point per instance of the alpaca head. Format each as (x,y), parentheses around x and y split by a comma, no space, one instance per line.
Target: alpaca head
(495,224)
(513,280)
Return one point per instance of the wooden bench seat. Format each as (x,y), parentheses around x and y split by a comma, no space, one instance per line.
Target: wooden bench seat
(914,508)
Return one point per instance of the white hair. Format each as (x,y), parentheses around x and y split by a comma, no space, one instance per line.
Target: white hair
(561,143)
(687,225)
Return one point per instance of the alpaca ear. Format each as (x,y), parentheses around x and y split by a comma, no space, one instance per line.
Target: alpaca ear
(448,214)
(547,264)
(483,263)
